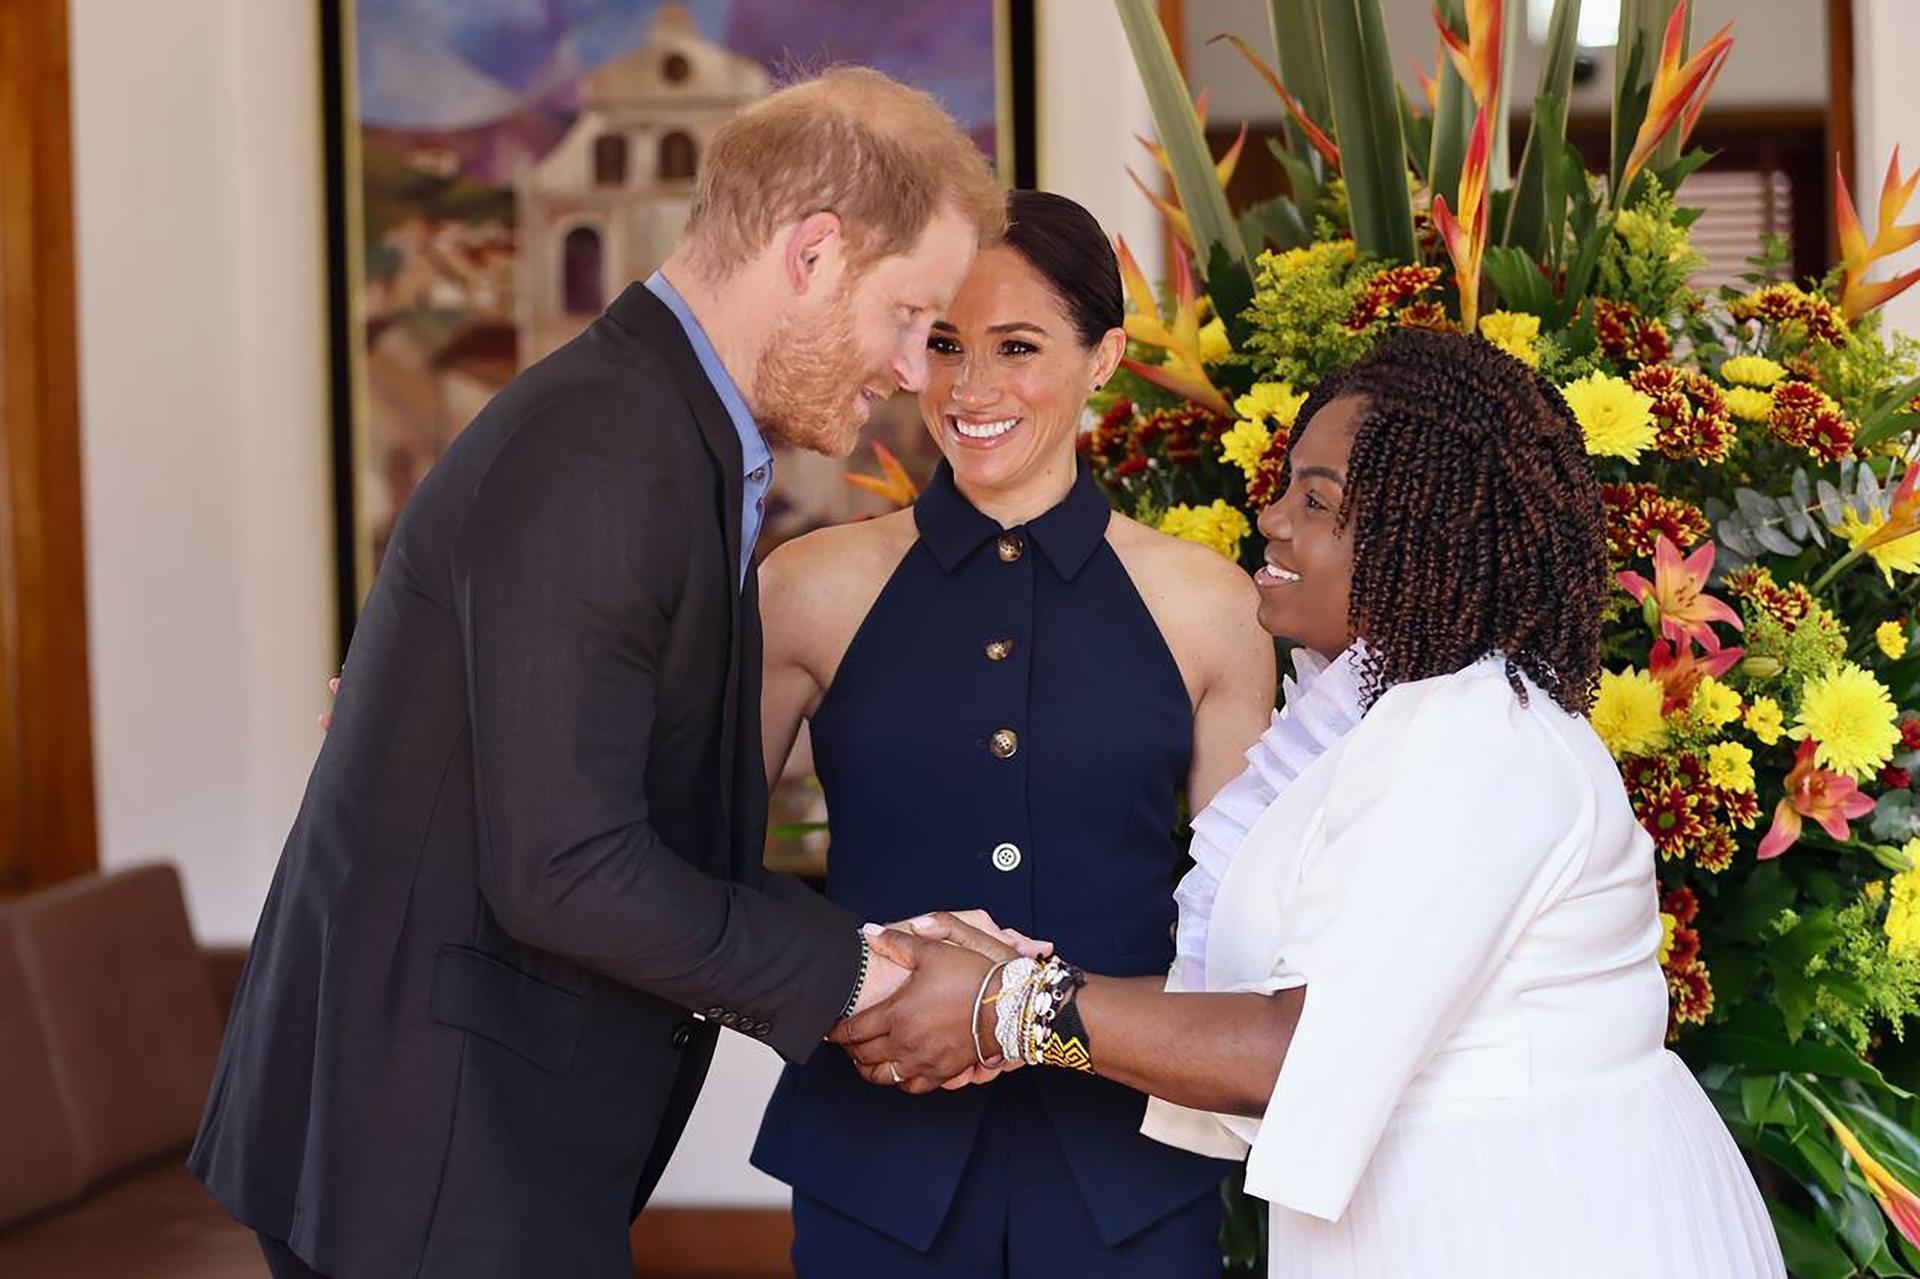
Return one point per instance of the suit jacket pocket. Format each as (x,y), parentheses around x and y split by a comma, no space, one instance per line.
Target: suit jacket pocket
(475,992)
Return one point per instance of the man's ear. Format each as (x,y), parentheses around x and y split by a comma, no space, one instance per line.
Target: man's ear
(813,251)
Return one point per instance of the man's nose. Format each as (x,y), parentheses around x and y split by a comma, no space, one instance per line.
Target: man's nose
(910,367)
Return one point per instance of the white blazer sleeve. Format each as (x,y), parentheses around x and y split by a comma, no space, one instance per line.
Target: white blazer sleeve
(1456,816)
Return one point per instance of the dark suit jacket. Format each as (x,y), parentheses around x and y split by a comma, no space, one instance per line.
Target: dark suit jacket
(530,845)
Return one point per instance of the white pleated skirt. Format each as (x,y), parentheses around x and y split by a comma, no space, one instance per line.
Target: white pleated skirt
(1619,1176)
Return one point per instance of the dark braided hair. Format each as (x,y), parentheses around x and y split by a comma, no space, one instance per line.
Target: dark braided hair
(1475,515)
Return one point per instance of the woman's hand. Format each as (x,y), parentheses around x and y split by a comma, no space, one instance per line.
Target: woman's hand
(975,930)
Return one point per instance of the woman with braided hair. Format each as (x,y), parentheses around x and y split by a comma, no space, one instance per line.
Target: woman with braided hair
(1417,986)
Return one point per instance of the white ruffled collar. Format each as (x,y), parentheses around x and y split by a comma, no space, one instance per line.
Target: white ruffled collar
(1320,705)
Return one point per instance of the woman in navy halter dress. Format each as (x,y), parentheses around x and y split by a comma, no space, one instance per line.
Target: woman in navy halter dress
(962,667)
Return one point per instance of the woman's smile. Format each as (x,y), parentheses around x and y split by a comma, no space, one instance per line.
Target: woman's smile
(976,432)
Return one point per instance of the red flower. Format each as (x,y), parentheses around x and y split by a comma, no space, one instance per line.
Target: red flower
(1672,817)
(1910,733)
(1681,903)
(1788,605)
(1626,337)
(1783,304)
(1896,778)
(1828,798)
(1689,997)
(1690,412)
(1742,807)
(1803,417)
(1387,289)
(1639,515)
(1714,851)
(1686,947)
(1426,315)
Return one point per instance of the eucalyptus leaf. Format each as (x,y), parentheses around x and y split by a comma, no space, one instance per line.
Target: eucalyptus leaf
(1770,536)
(1830,504)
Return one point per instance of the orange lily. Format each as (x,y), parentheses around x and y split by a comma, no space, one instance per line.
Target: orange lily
(1679,91)
(1681,671)
(1178,335)
(1466,235)
(1223,170)
(1476,56)
(1900,1203)
(1857,296)
(1829,798)
(1678,591)
(893,483)
(1316,136)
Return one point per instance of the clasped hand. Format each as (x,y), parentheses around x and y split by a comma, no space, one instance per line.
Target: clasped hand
(923,1036)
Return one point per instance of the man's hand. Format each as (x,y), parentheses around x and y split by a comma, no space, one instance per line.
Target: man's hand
(923,1037)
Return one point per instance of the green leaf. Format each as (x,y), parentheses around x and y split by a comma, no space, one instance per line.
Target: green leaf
(1763,1101)
(1580,272)
(1889,418)
(1187,154)
(1275,222)
(1752,1052)
(1230,287)
(1809,1252)
(1516,278)
(1633,63)
(1366,119)
(1302,177)
(1419,131)
(1302,60)
(1528,218)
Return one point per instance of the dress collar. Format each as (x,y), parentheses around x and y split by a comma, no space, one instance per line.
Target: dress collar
(1068,534)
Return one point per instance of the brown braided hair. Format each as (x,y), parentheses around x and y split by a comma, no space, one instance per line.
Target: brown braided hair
(1475,515)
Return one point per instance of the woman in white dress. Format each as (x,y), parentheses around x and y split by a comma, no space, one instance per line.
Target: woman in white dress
(1417,988)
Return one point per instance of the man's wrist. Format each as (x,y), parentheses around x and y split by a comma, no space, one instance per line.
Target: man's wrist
(859,977)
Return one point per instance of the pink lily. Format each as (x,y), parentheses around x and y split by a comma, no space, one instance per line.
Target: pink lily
(1680,672)
(1678,592)
(1178,334)
(1828,798)
(1466,235)
(1679,91)
(1857,295)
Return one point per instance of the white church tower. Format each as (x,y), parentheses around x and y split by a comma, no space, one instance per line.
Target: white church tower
(607,204)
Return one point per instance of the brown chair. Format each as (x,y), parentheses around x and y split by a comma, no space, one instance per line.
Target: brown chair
(117,1037)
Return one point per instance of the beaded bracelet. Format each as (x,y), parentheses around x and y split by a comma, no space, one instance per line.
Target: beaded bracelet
(1037,1022)
(979,1001)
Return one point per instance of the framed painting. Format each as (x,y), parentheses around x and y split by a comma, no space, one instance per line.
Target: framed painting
(499,169)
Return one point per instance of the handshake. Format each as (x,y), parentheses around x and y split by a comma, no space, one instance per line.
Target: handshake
(922,1021)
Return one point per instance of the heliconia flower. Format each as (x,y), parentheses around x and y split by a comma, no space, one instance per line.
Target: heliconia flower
(1316,136)
(1429,85)
(1179,334)
(1223,171)
(1679,90)
(893,483)
(1899,1202)
(1466,235)
(1476,56)
(1828,798)
(1857,295)
(1678,592)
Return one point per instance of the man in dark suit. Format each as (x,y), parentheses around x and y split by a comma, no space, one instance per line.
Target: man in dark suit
(523,892)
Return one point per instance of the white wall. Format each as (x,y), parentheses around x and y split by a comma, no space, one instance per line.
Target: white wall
(1885,34)
(205,454)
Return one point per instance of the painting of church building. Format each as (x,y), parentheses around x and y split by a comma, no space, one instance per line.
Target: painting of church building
(502,169)
(610,200)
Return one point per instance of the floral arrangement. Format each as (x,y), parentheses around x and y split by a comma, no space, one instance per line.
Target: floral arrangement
(1762,687)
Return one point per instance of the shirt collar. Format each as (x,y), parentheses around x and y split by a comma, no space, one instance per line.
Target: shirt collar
(754,452)
(1068,534)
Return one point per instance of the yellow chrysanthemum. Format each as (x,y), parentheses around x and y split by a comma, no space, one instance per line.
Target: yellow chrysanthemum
(1626,713)
(1514,332)
(1668,925)
(1892,639)
(1245,443)
(1748,404)
(1852,717)
(1714,705)
(1730,766)
(1765,720)
(1901,555)
(1875,892)
(1752,370)
(1617,420)
(1216,524)
(1214,345)
(1903,913)
(1273,403)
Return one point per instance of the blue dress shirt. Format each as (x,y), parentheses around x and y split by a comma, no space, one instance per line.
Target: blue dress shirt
(755,457)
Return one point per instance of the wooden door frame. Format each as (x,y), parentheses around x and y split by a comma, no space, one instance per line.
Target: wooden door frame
(47,817)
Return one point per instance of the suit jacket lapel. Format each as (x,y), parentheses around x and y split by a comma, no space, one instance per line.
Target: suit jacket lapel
(641,313)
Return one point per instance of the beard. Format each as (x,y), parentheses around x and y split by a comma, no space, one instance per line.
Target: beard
(807,384)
